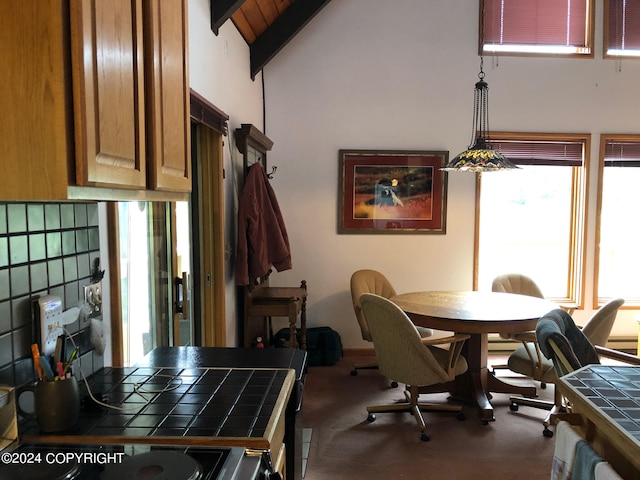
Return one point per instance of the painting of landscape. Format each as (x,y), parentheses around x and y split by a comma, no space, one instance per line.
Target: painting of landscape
(392,192)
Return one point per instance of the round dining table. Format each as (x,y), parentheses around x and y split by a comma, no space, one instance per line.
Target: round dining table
(477,314)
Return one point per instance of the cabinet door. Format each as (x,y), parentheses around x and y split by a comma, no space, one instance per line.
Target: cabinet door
(37,150)
(168,124)
(108,92)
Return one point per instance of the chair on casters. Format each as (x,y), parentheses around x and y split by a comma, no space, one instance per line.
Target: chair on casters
(404,357)
(516,283)
(529,359)
(528,353)
(568,348)
(522,285)
(372,281)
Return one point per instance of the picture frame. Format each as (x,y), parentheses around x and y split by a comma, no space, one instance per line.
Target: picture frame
(392,191)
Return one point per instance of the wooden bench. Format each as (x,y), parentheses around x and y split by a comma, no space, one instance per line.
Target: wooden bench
(267,302)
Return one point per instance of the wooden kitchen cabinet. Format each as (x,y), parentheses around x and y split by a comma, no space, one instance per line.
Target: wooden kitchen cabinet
(168,97)
(108,92)
(95,95)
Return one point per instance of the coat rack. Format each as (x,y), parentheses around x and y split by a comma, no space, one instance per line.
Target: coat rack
(253,145)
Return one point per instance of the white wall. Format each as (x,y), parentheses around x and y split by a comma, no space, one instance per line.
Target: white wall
(219,71)
(400,75)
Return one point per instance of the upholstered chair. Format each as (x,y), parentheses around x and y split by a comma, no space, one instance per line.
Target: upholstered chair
(529,359)
(403,357)
(372,281)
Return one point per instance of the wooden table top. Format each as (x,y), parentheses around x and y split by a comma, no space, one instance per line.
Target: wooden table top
(474,312)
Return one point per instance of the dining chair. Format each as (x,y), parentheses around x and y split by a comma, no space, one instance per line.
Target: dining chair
(529,359)
(403,357)
(372,281)
(522,285)
(516,283)
(568,348)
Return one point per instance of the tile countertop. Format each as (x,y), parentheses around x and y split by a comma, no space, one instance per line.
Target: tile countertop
(189,406)
(608,397)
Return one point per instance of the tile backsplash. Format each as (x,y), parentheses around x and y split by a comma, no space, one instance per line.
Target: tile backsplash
(45,248)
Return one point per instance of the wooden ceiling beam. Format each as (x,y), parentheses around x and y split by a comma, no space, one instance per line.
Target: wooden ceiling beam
(221,11)
(282,31)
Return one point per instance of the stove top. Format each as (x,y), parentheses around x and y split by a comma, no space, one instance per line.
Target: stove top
(122,462)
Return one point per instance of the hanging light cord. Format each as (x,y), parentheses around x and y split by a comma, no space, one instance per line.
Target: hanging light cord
(481,95)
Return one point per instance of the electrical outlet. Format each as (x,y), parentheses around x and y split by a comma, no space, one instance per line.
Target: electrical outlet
(93,298)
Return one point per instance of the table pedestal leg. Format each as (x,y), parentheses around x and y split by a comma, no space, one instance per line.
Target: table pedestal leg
(475,385)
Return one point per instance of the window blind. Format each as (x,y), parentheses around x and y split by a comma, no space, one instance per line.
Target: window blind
(621,154)
(523,152)
(623,22)
(536,22)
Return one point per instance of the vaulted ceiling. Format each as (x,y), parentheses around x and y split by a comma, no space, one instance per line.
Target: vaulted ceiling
(266,25)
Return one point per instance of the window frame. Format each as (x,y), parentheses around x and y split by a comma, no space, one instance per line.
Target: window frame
(589,39)
(630,304)
(605,38)
(580,202)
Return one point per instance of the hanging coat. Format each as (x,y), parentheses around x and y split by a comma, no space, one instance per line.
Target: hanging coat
(262,235)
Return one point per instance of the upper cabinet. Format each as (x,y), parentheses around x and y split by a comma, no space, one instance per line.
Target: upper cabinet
(167,87)
(107,61)
(96,99)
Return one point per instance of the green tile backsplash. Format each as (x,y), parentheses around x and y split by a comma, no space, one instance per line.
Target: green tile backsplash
(45,248)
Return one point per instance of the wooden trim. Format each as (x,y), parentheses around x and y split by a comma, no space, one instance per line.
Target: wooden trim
(205,113)
(577,265)
(212,271)
(596,267)
(577,137)
(580,194)
(123,195)
(115,304)
(247,135)
(589,39)
(369,352)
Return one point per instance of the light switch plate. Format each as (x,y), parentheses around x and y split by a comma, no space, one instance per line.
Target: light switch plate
(50,322)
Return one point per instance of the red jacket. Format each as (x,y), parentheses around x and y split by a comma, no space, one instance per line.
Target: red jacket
(262,235)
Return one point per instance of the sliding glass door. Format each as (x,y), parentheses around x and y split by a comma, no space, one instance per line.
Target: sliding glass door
(155,276)
(158,298)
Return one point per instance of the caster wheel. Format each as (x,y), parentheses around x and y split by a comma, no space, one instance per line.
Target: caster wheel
(513,407)
(394,384)
(547,433)
(371,417)
(485,422)
(461,416)
(425,437)
(354,373)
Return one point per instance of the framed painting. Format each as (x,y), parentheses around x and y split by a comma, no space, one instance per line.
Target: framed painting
(392,191)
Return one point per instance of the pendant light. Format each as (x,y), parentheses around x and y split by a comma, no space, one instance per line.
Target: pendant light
(479,157)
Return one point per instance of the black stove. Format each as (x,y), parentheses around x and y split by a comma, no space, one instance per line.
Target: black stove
(124,462)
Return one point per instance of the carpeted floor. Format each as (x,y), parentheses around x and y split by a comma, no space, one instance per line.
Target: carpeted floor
(345,446)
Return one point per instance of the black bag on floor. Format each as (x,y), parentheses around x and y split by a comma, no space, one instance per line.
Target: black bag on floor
(324,346)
